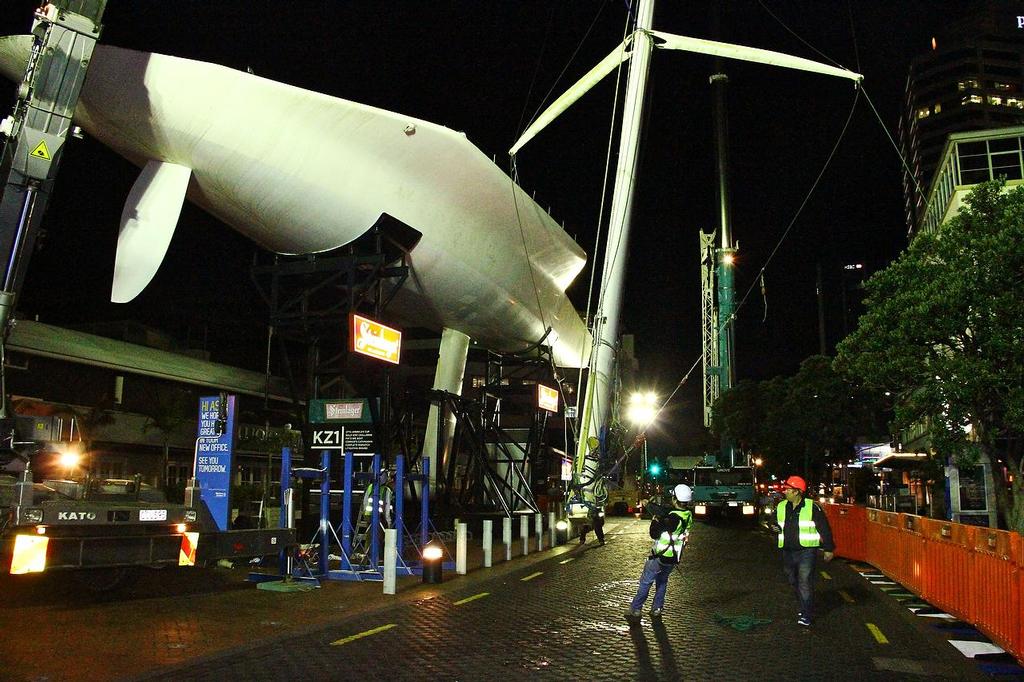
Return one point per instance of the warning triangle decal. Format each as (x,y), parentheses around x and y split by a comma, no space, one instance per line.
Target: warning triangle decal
(40,152)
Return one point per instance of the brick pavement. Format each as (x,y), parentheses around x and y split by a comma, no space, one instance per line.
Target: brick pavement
(558,615)
(55,629)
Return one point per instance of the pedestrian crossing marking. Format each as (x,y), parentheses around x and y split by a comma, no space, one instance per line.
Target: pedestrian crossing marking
(40,151)
(473,598)
(877,634)
(825,575)
(352,638)
(846,596)
(566,560)
(531,576)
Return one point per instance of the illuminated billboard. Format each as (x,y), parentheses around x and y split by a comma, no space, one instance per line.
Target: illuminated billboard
(547,398)
(367,337)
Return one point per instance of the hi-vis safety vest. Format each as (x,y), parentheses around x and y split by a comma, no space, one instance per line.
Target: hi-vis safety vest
(673,541)
(809,536)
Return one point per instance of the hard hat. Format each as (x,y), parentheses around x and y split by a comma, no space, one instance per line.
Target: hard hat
(796,482)
(683,492)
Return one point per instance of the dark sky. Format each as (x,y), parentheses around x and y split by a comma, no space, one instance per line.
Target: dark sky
(484,68)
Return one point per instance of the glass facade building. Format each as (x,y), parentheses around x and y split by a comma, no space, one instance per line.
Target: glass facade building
(971,79)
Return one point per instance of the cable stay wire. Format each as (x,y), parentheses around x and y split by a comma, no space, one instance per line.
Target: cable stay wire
(759,277)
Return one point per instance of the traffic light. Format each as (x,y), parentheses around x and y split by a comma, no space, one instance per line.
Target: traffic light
(654,468)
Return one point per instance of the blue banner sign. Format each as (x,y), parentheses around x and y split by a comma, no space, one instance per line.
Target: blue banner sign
(213,458)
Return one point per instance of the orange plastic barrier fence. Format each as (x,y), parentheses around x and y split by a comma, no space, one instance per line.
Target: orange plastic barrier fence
(849,530)
(976,574)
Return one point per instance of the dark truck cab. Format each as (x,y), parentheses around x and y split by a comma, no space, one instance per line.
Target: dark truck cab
(92,523)
(724,491)
(113,523)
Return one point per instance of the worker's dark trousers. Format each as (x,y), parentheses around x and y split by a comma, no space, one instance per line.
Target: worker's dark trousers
(799,567)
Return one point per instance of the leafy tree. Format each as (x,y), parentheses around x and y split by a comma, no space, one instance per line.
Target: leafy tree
(168,410)
(798,423)
(739,415)
(943,332)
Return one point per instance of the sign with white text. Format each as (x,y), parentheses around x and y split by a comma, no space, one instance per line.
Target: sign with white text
(368,337)
(213,457)
(358,441)
(341,410)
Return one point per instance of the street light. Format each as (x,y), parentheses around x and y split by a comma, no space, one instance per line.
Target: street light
(643,407)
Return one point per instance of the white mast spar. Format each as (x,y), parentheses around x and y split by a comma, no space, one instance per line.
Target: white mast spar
(598,396)
(637,48)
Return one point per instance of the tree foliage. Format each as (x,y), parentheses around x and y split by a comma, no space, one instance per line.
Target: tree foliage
(943,332)
(797,423)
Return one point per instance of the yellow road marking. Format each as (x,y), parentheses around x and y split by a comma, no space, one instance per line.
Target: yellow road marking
(531,576)
(565,562)
(826,576)
(469,599)
(846,596)
(352,638)
(879,637)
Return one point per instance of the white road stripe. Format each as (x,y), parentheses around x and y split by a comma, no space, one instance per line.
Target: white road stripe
(972,649)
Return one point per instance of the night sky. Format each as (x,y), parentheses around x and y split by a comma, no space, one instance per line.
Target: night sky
(485,68)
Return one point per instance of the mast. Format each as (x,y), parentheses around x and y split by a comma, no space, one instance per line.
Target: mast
(725,330)
(597,401)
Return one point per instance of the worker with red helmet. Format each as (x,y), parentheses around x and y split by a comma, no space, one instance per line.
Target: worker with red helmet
(803,530)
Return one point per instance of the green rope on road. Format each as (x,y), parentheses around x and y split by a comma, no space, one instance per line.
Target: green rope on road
(741,623)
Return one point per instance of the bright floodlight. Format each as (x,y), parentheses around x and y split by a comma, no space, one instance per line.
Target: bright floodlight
(69,459)
(642,408)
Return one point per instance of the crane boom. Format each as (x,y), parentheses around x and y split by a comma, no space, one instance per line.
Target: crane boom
(64,35)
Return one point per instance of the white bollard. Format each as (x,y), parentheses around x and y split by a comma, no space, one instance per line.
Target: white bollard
(551,528)
(524,533)
(538,528)
(390,559)
(488,530)
(460,549)
(506,536)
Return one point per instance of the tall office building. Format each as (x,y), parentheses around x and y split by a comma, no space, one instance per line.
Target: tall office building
(972,78)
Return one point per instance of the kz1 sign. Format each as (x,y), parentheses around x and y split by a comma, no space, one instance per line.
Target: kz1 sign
(374,339)
(341,424)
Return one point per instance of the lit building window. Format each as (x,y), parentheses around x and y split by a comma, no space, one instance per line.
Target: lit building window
(1014,102)
(967,84)
(938,107)
(479,382)
(1002,86)
(922,112)
(971,99)
(995,99)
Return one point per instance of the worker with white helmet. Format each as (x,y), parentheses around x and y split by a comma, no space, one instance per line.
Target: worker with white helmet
(670,529)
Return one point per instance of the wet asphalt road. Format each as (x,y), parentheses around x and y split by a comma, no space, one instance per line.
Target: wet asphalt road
(561,618)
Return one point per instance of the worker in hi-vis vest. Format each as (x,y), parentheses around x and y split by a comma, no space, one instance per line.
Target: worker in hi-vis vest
(803,530)
(670,529)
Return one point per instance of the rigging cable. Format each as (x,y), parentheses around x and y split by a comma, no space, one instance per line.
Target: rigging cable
(514,175)
(778,245)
